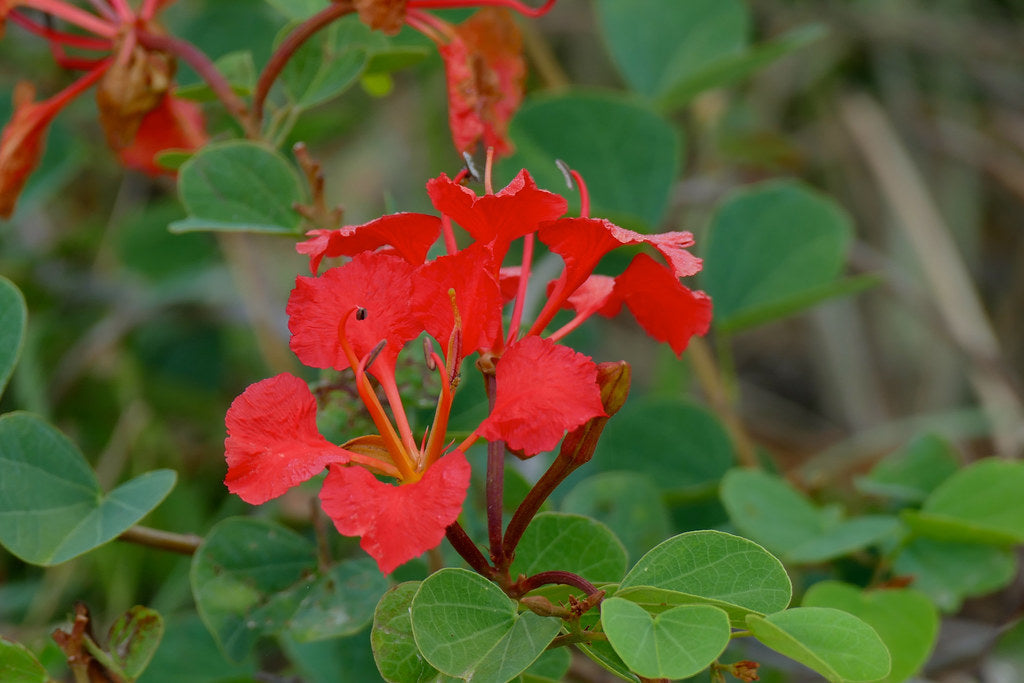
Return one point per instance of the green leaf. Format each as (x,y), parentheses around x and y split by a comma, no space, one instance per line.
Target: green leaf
(735,67)
(775,245)
(465,626)
(681,445)
(659,44)
(328,63)
(134,639)
(19,665)
(836,644)
(51,505)
(550,666)
(394,647)
(240,579)
(980,503)
(905,620)
(948,572)
(188,653)
(710,567)
(677,643)
(913,472)
(13,316)
(573,543)
(628,502)
(238,68)
(628,155)
(339,603)
(769,510)
(241,186)
(327,661)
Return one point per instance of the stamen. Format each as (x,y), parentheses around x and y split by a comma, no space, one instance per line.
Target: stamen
(566,173)
(570,176)
(374,352)
(428,354)
(488,167)
(55,36)
(524,280)
(361,313)
(74,15)
(519,7)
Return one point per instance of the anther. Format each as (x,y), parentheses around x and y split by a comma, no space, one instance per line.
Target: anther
(566,172)
(372,356)
(428,354)
(470,166)
(360,313)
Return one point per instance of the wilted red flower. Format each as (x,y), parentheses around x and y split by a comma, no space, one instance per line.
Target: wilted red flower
(138,112)
(482,58)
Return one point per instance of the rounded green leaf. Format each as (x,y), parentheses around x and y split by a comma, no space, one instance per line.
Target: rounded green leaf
(628,502)
(681,445)
(905,620)
(134,639)
(19,665)
(239,186)
(328,63)
(913,472)
(948,571)
(773,248)
(710,567)
(51,506)
(394,647)
(13,316)
(769,510)
(466,627)
(836,644)
(341,602)
(980,503)
(241,576)
(628,155)
(573,543)
(676,643)
(658,44)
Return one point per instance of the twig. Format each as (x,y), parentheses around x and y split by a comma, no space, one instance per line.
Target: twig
(186,544)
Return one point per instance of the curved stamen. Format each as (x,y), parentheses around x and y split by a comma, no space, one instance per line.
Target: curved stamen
(524,280)
(74,15)
(435,444)
(55,36)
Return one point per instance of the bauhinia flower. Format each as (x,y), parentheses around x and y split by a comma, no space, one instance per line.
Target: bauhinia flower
(482,57)
(138,111)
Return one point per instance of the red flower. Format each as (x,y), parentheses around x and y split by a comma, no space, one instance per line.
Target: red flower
(543,390)
(137,111)
(482,58)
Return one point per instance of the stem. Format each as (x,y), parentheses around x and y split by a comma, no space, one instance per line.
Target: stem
(557,576)
(561,468)
(465,547)
(572,638)
(495,486)
(202,65)
(323,546)
(185,544)
(286,50)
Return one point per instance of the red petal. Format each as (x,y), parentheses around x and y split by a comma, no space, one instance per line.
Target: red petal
(508,280)
(173,124)
(596,295)
(379,282)
(470,273)
(411,234)
(396,523)
(497,219)
(273,443)
(667,310)
(543,390)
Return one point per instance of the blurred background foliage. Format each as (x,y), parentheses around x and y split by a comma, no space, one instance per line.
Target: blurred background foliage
(908,114)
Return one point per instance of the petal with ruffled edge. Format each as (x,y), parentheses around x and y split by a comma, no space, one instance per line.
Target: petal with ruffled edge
(470,273)
(666,310)
(396,523)
(497,219)
(411,235)
(273,443)
(381,283)
(543,389)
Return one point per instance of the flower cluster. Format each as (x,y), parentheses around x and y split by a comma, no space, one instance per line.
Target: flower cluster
(361,315)
(138,112)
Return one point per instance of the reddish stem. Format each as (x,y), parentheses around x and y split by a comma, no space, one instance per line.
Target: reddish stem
(495,486)
(287,49)
(202,65)
(561,577)
(55,36)
(465,547)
